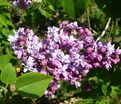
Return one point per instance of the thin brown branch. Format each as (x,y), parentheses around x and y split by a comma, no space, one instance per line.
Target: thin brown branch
(105,29)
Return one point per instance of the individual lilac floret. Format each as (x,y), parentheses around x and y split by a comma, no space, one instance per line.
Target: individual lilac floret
(21,3)
(52,89)
(67,52)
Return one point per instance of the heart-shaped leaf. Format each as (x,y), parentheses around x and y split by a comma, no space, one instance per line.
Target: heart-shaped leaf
(32,84)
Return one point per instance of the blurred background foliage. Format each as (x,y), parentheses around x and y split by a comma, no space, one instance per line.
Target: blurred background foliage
(99,86)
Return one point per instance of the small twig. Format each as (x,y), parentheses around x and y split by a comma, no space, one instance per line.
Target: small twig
(33,101)
(104,31)
(94,32)
(88,21)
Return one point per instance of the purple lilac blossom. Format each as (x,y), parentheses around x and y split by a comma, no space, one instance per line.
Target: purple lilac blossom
(21,3)
(68,53)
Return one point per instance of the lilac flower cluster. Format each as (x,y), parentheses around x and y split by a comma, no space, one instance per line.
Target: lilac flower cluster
(67,52)
(21,3)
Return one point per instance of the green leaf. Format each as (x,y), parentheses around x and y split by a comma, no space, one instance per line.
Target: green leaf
(9,23)
(81,6)
(8,74)
(7,14)
(44,12)
(104,89)
(114,91)
(4,3)
(103,101)
(4,60)
(68,6)
(5,32)
(55,3)
(3,20)
(32,84)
